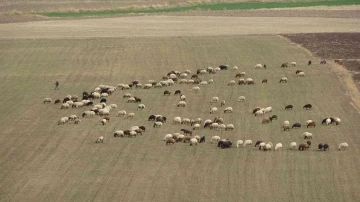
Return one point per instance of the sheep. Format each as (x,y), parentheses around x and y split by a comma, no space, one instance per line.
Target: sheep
(297,125)
(214,125)
(221,127)
(301,74)
(196,127)
(63,120)
(185,121)
(238,143)
(131,100)
(113,106)
(195,89)
(266,120)
(258,66)
(261,145)
(213,110)
(278,146)
(249,81)
(140,107)
(65,106)
(130,115)
(211,81)
(241,99)
(167,92)
(182,97)
(77,121)
(307,122)
(337,120)
(170,141)
(289,107)
(72,117)
(307,135)
(286,127)
(214,99)
(241,82)
(57,101)
(267,147)
(103,121)
(102,95)
(228,110)
(104,112)
(190,81)
(222,103)
(181,104)
(121,113)
(47,100)
(193,141)
(283,80)
(264,81)
(157,124)
(229,127)
(100,139)
(168,136)
(231,83)
(312,124)
(177,120)
(307,106)
(77,104)
(293,145)
(247,143)
(293,64)
(187,71)
(259,112)
(235,68)
(268,109)
(224,144)
(215,139)
(119,133)
(203,83)
(343,146)
(147,86)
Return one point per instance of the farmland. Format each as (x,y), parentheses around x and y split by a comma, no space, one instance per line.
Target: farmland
(43,161)
(36,152)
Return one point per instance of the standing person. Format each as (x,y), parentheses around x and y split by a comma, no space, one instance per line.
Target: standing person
(56,85)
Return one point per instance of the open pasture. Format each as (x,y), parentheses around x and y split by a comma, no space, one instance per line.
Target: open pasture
(42,161)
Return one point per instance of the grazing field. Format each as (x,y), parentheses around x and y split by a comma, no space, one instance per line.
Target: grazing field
(42,161)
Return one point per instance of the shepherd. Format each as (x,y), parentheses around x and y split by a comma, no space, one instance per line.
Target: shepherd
(56,85)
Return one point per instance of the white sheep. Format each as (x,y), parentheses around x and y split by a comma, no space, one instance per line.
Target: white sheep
(235,68)
(77,104)
(172,76)
(221,127)
(72,117)
(210,81)
(147,86)
(293,64)
(104,112)
(228,110)
(259,112)
(328,121)
(104,95)
(308,121)
(203,71)
(190,81)
(283,80)
(183,81)
(157,124)
(183,75)
(122,113)
(238,143)
(229,127)
(182,97)
(196,126)
(267,147)
(130,115)
(278,146)
(343,146)
(301,74)
(203,83)
(337,120)
(186,121)
(141,107)
(231,83)
(65,106)
(103,121)
(307,135)
(293,145)
(247,143)
(258,66)
(268,109)
(47,100)
(119,133)
(241,99)
(113,105)
(181,104)
(100,139)
(195,89)
(187,71)
(286,123)
(193,141)
(214,126)
(213,110)
(127,95)
(63,120)
(168,136)
(77,121)
(215,139)
(131,99)
(177,120)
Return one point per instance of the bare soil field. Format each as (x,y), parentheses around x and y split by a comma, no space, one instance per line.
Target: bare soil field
(156,26)
(42,161)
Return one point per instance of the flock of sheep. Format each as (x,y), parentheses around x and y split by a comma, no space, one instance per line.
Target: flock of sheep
(103,110)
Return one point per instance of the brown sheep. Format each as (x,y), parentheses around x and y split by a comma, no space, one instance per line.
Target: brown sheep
(303,147)
(170,141)
(312,124)
(264,81)
(266,120)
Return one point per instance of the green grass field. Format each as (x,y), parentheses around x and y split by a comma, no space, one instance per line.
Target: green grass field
(200,7)
(42,161)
